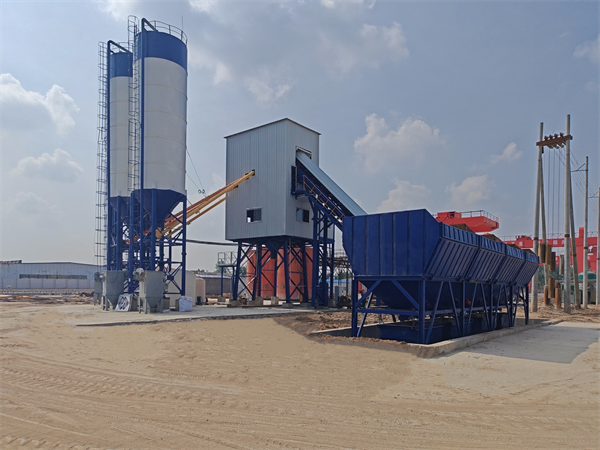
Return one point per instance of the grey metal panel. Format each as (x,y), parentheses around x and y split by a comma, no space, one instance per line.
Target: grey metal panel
(270,151)
(7,283)
(331,186)
(10,274)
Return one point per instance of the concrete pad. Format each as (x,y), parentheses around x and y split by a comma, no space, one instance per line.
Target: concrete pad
(560,343)
(91,316)
(437,349)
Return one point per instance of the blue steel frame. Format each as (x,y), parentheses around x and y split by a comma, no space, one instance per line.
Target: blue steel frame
(327,213)
(266,250)
(323,260)
(487,299)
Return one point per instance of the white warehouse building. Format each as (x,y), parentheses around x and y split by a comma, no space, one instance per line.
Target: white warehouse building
(47,275)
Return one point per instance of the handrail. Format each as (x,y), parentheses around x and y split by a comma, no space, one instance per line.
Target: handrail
(170,29)
(466,214)
(323,199)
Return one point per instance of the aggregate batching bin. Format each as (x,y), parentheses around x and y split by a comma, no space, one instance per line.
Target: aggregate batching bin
(421,268)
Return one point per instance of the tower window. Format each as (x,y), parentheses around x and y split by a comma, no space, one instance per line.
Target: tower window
(302,215)
(254,215)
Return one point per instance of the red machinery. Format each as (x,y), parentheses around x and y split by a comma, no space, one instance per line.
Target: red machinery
(478,221)
(556,240)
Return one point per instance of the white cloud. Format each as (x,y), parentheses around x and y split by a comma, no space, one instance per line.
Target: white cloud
(383,147)
(204,6)
(117,9)
(509,154)
(29,205)
(405,196)
(589,49)
(263,92)
(57,102)
(218,182)
(266,83)
(56,167)
(470,192)
(371,46)
(202,59)
(333,4)
(266,47)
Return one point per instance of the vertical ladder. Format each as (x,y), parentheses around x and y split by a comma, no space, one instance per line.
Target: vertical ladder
(101,166)
(134,231)
(134,109)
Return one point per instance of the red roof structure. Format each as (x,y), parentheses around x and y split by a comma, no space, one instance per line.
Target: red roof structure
(478,221)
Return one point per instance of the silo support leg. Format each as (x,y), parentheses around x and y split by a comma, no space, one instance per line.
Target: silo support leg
(286,270)
(236,274)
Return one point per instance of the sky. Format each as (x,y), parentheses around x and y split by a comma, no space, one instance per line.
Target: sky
(432,105)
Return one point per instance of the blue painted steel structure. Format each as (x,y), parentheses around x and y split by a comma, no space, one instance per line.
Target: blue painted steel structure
(255,254)
(330,204)
(440,281)
(134,223)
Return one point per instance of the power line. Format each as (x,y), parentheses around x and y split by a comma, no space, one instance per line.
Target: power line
(200,191)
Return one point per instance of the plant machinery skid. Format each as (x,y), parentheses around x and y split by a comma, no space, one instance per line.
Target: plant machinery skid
(437,281)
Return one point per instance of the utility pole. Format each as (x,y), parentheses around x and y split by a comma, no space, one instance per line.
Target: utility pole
(585,239)
(557,142)
(536,221)
(544,235)
(567,274)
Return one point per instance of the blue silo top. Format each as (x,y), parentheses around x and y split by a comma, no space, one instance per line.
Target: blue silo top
(120,64)
(161,45)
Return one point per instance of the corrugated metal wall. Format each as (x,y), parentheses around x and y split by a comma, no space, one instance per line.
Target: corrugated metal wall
(14,276)
(270,151)
(413,243)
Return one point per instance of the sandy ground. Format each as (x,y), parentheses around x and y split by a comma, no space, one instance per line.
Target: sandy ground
(260,384)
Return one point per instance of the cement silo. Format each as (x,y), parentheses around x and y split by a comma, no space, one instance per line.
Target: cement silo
(142,151)
(160,59)
(157,147)
(119,65)
(119,79)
